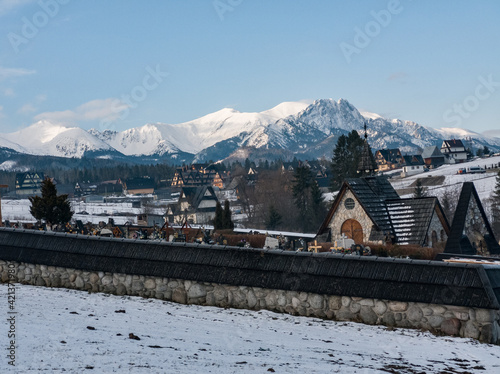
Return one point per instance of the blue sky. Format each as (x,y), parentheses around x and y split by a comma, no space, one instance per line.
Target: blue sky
(121,64)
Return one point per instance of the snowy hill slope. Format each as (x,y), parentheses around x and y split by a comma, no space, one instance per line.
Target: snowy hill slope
(45,138)
(452,183)
(89,332)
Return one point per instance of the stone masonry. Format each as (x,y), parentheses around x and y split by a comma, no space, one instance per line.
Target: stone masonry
(481,324)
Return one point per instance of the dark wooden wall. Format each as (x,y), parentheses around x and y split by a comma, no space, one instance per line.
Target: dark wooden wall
(323,273)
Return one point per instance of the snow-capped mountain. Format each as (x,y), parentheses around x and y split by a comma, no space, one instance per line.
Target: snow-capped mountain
(290,128)
(46,139)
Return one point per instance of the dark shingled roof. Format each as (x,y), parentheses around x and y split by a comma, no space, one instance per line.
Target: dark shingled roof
(411,218)
(139,183)
(407,219)
(390,155)
(453,143)
(194,195)
(459,245)
(371,193)
(413,160)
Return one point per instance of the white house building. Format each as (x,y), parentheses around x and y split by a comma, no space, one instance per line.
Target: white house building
(454,151)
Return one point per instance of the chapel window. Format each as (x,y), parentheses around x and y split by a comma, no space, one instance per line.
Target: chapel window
(349,203)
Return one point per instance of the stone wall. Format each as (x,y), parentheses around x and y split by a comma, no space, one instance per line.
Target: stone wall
(436,226)
(477,323)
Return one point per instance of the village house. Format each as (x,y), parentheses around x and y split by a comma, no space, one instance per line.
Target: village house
(83,189)
(432,157)
(138,186)
(196,205)
(199,175)
(412,165)
(388,159)
(454,151)
(29,183)
(150,219)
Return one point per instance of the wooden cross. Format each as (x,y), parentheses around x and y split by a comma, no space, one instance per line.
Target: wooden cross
(117,233)
(315,247)
(1,186)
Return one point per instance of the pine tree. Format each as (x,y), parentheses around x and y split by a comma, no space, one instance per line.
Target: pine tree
(273,219)
(50,207)
(308,199)
(227,222)
(301,183)
(218,219)
(419,190)
(318,208)
(346,157)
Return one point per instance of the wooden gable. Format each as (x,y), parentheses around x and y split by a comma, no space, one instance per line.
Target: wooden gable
(471,231)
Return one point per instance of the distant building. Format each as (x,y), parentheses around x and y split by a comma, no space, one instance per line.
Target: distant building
(454,151)
(196,205)
(412,165)
(388,159)
(432,157)
(199,175)
(82,189)
(110,187)
(29,183)
(138,186)
(150,220)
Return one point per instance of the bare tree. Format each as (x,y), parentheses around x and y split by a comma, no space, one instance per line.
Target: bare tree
(449,200)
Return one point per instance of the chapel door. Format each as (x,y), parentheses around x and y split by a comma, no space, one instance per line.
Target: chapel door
(353,230)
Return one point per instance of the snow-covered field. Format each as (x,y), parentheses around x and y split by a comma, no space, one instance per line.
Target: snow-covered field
(484,183)
(67,331)
(19,211)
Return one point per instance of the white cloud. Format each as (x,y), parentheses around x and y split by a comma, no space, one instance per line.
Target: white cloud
(32,107)
(6,6)
(9,92)
(6,73)
(27,108)
(108,109)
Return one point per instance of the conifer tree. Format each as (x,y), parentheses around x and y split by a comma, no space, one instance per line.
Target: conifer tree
(227,222)
(50,207)
(308,199)
(419,190)
(301,183)
(219,217)
(273,219)
(346,157)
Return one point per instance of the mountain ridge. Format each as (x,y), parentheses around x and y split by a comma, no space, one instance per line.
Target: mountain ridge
(290,128)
